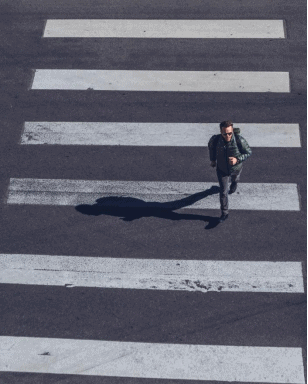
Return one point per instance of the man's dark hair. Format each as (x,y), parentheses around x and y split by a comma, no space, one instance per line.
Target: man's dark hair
(225,124)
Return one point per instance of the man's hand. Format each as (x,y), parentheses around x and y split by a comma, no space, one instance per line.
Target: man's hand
(232,160)
(213,163)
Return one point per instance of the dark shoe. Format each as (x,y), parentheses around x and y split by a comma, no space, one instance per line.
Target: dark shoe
(223,218)
(233,187)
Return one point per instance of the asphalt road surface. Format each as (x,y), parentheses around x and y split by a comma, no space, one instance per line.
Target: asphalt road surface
(150,288)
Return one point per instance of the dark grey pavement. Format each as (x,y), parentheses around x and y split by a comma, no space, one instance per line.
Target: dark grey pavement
(135,315)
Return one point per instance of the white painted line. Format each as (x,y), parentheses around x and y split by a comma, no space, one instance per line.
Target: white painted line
(183,275)
(154,134)
(151,194)
(198,29)
(171,81)
(152,360)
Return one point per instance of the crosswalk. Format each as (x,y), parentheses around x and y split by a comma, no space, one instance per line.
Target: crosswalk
(186,275)
(136,28)
(147,194)
(161,81)
(147,360)
(152,134)
(158,361)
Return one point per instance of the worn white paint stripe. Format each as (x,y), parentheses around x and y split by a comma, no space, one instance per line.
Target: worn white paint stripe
(153,134)
(152,360)
(185,275)
(136,28)
(177,81)
(148,194)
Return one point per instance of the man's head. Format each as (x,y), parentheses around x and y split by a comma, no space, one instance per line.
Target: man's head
(226,129)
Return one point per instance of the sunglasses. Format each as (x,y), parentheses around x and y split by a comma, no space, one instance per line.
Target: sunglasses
(227,134)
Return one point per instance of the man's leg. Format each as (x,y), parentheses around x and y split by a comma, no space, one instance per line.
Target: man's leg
(235,178)
(223,180)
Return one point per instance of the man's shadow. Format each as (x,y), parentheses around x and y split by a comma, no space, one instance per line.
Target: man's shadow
(129,208)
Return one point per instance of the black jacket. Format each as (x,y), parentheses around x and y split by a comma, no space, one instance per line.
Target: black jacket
(221,152)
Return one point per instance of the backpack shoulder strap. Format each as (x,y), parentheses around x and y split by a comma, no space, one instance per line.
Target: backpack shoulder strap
(238,141)
(237,132)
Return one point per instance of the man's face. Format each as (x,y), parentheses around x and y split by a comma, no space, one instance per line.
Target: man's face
(227,133)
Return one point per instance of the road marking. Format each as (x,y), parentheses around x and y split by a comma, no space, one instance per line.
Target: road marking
(183,275)
(151,194)
(152,360)
(132,28)
(174,81)
(153,134)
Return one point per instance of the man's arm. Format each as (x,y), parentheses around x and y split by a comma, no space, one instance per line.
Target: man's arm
(245,150)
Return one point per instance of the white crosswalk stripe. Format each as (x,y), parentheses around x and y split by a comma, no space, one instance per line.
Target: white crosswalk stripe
(199,29)
(153,134)
(184,275)
(146,194)
(164,81)
(146,360)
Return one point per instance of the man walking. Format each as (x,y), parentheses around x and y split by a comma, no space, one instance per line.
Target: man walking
(227,153)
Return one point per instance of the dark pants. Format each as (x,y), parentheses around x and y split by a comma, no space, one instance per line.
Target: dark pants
(223,179)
